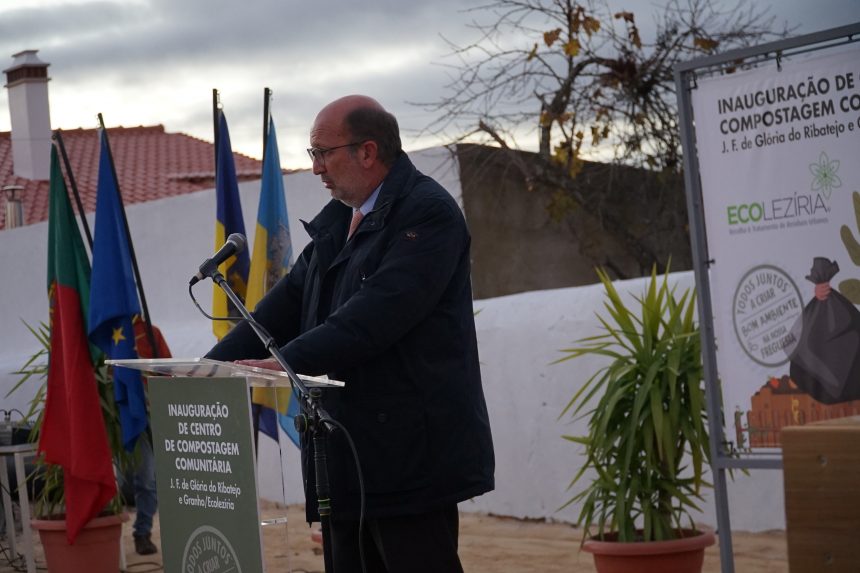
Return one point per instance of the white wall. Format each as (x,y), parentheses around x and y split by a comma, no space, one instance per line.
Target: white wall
(519,337)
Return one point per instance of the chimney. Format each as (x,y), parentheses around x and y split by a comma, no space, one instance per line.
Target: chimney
(27,82)
(14,208)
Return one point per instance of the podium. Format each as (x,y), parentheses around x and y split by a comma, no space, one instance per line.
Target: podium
(821,468)
(208,368)
(206,477)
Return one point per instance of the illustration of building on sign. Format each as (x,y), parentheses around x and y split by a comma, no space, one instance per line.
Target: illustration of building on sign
(780,403)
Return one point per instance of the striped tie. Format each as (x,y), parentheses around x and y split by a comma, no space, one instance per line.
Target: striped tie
(357,216)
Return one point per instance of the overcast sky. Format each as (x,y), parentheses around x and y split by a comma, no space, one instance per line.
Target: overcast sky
(145,62)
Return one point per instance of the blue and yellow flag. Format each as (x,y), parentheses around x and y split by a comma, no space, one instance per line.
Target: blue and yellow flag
(272,259)
(273,249)
(113,300)
(229,220)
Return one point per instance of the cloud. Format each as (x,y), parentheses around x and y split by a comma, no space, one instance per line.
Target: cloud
(142,62)
(157,61)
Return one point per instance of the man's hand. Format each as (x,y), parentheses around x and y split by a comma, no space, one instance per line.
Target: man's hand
(268,364)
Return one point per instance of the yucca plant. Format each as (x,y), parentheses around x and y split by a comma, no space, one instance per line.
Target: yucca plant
(647,441)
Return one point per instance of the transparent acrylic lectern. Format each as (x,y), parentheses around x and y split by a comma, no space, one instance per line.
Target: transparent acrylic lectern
(205,458)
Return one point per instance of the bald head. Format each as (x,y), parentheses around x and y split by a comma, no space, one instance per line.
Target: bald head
(362,118)
(354,144)
(341,107)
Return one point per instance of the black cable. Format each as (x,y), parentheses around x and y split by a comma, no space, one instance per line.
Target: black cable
(7,414)
(200,308)
(362,501)
(18,563)
(270,345)
(293,389)
(11,560)
(135,567)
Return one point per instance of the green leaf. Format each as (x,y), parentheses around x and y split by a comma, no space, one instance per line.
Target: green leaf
(850,289)
(645,409)
(51,497)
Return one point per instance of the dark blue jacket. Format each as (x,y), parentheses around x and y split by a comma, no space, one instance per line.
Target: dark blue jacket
(390,313)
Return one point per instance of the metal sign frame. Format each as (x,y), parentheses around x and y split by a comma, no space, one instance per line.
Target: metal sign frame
(686,74)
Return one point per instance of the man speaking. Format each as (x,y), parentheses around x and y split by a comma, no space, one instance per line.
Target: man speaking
(382,299)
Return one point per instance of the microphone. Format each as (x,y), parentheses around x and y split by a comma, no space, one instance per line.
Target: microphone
(234,245)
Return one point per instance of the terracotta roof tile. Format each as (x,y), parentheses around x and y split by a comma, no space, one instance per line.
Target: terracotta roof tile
(150,164)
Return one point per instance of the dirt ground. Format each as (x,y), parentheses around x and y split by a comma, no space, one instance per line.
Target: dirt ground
(487,545)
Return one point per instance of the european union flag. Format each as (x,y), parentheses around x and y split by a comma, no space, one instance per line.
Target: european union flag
(113,300)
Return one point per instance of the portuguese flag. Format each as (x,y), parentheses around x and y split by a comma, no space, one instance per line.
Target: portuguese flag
(73,432)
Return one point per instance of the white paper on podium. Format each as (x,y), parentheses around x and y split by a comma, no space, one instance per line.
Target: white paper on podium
(207,368)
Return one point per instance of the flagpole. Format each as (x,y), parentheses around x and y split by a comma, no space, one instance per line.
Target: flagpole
(58,137)
(144,309)
(256,412)
(215,130)
(267,95)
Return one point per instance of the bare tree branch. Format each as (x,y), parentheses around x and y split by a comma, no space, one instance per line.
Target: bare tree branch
(585,81)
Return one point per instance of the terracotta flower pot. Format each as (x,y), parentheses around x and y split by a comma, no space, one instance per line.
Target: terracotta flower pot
(96,549)
(684,555)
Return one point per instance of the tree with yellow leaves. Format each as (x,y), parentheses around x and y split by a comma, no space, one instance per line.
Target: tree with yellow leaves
(588,82)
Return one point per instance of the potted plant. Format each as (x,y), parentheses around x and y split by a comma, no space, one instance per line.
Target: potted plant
(96,548)
(647,442)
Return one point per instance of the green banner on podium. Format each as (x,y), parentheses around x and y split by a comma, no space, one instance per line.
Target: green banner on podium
(207,487)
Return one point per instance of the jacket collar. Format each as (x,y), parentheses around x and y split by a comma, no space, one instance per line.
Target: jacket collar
(334,218)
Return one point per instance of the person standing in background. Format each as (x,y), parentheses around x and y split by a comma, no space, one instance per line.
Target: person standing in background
(145,496)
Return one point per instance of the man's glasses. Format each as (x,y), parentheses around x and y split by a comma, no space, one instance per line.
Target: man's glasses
(319,153)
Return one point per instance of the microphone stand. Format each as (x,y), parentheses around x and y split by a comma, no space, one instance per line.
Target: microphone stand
(313,418)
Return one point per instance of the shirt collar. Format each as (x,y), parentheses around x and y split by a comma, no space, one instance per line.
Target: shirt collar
(368,205)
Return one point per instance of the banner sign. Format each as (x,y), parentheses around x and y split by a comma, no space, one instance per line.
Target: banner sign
(205,473)
(779,157)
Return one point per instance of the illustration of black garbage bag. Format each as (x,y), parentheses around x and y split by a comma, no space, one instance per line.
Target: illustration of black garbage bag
(825,363)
